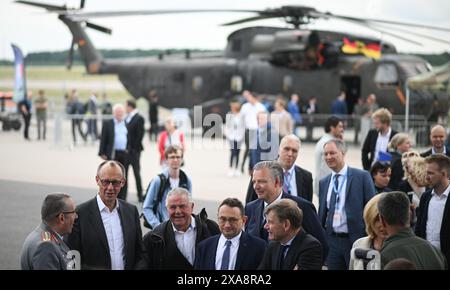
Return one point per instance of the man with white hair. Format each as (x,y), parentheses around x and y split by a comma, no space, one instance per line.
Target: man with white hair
(113,140)
(172,245)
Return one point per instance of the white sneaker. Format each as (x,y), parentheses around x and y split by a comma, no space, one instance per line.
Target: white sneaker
(237,173)
(230,173)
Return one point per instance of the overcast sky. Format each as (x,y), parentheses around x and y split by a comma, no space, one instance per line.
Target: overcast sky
(34,30)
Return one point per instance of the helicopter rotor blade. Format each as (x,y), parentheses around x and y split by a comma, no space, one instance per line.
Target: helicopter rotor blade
(370,26)
(99,28)
(83,16)
(365,20)
(49,7)
(249,19)
(413,33)
(82,3)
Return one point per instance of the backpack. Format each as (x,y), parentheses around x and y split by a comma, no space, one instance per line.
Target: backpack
(162,187)
(159,196)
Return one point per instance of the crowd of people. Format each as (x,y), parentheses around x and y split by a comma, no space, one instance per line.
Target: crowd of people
(396,203)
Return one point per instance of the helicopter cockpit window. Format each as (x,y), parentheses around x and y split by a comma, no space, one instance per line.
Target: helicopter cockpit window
(386,75)
(236,83)
(197,83)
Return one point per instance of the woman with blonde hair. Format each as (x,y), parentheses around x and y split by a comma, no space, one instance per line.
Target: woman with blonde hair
(399,144)
(376,233)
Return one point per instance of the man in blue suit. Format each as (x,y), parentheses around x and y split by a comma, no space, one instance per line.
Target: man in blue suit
(342,197)
(268,181)
(233,249)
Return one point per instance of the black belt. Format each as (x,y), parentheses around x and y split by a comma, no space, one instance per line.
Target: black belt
(340,235)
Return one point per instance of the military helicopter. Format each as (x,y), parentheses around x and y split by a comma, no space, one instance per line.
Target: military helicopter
(267,60)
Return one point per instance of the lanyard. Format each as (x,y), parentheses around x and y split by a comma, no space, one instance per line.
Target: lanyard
(338,190)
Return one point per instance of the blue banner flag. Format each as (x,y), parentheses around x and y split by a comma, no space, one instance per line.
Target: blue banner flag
(20,89)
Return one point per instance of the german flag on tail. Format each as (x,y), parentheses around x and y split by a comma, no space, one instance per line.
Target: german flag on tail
(372,50)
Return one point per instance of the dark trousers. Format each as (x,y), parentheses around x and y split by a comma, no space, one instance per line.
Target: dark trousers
(339,252)
(234,157)
(26,120)
(76,123)
(133,159)
(153,132)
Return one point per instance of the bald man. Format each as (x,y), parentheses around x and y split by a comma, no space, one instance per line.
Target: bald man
(437,138)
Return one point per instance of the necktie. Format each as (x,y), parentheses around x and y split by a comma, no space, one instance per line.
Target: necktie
(333,201)
(226,256)
(286,183)
(283,252)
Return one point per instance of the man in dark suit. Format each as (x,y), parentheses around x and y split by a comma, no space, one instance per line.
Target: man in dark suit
(433,214)
(44,248)
(377,139)
(113,139)
(136,130)
(107,232)
(297,181)
(437,138)
(234,249)
(342,197)
(291,248)
(172,245)
(268,181)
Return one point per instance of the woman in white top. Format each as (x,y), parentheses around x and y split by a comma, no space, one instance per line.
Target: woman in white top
(374,229)
(234,131)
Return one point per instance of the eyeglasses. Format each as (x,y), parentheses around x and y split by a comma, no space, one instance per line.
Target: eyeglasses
(66,212)
(174,157)
(114,182)
(231,220)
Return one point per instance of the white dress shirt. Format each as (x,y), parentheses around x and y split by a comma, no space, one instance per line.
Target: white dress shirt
(435,215)
(292,182)
(186,241)
(382,144)
(120,135)
(433,151)
(233,251)
(339,225)
(266,204)
(250,114)
(131,115)
(114,234)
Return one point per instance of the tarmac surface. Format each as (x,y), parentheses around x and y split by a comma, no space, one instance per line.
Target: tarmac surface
(31,169)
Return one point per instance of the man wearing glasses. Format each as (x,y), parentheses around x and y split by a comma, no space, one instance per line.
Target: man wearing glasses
(233,249)
(108,233)
(44,248)
(154,209)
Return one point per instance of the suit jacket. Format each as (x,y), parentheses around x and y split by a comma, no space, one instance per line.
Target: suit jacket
(44,250)
(305,253)
(368,149)
(249,255)
(107,139)
(89,237)
(303,179)
(429,152)
(359,190)
(161,251)
(136,132)
(311,224)
(421,225)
